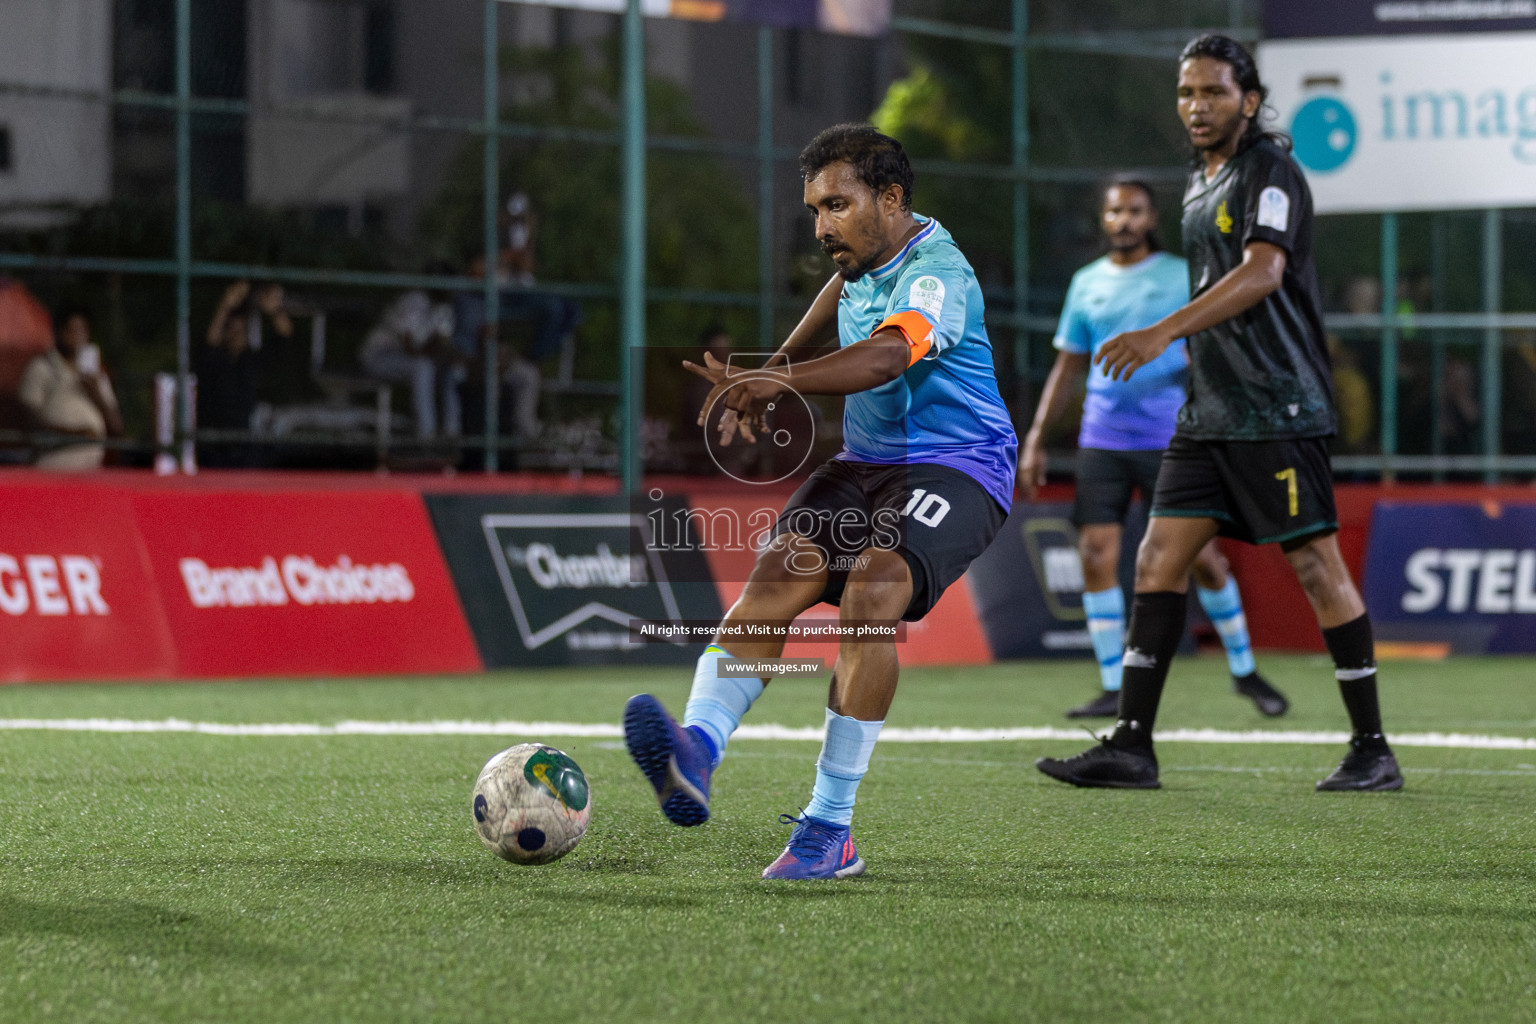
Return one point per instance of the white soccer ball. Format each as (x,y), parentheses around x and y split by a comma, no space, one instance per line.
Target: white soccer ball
(531,804)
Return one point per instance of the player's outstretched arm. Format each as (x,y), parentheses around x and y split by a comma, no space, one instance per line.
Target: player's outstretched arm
(1239,290)
(1069,367)
(876,360)
(816,330)
(868,364)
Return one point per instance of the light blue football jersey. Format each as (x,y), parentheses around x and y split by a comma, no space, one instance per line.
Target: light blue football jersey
(945,408)
(1105,300)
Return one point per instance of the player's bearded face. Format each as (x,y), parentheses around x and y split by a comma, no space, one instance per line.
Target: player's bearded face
(851,264)
(1212,106)
(850,225)
(1128,217)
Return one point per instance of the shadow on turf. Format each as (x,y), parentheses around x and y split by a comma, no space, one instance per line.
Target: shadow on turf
(551,881)
(137,929)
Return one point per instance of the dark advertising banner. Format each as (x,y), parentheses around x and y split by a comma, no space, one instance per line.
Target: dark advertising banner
(1462,575)
(1296,19)
(1028,586)
(848,17)
(559,581)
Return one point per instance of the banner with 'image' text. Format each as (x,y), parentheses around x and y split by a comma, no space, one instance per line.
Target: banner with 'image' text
(1409,122)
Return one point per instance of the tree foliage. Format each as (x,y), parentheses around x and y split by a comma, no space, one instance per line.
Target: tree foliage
(700,226)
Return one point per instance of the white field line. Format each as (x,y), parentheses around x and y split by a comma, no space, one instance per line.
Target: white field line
(746,732)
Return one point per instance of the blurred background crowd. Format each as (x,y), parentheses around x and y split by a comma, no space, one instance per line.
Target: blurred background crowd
(294,203)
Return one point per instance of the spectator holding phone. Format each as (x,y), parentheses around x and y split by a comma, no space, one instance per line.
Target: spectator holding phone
(230,368)
(66,394)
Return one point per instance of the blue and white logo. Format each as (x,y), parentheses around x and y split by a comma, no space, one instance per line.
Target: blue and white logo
(1324,133)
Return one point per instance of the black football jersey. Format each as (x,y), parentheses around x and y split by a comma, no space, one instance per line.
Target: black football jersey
(1264,373)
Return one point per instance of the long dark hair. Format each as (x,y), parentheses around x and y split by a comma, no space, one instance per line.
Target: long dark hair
(1154,241)
(1246,73)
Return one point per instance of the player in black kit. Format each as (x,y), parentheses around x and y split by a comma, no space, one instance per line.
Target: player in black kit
(1249,457)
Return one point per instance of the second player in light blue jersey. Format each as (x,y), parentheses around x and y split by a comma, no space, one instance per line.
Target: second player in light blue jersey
(1125,428)
(923,483)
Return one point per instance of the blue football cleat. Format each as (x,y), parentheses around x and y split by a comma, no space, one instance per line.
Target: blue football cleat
(675,760)
(817,849)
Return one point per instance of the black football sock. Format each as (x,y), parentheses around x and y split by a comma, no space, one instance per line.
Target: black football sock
(1354,661)
(1157,626)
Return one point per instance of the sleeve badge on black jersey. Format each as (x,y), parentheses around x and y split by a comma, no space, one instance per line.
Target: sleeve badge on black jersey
(1274,208)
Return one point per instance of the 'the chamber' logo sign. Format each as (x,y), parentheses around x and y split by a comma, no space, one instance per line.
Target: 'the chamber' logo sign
(552,570)
(582,577)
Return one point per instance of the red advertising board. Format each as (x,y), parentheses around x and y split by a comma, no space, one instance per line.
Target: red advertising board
(77,598)
(303,583)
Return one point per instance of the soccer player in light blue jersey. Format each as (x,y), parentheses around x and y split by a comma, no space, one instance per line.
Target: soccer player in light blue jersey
(923,483)
(1125,428)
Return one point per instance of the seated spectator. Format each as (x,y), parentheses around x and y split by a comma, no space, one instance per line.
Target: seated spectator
(413,344)
(230,368)
(1461,411)
(65,391)
(518,375)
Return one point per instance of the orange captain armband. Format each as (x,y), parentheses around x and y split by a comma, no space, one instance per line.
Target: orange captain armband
(915,328)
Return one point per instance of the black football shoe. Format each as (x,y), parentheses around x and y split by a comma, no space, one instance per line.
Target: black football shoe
(1105,705)
(1369,767)
(1105,767)
(1270,701)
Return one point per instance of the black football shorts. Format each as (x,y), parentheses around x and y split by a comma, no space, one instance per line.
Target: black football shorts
(1261,492)
(937,518)
(1106,480)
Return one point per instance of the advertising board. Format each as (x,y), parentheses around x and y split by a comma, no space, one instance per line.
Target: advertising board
(1323,18)
(1409,122)
(560,581)
(302,583)
(1028,586)
(846,17)
(77,597)
(1458,575)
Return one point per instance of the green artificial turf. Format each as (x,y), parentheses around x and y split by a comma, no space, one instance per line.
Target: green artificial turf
(337,878)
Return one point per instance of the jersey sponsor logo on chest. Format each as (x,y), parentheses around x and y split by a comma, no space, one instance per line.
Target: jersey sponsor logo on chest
(1223,219)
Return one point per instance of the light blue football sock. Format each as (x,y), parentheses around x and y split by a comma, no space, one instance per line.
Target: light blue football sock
(716,705)
(844,760)
(1106,628)
(1224,608)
